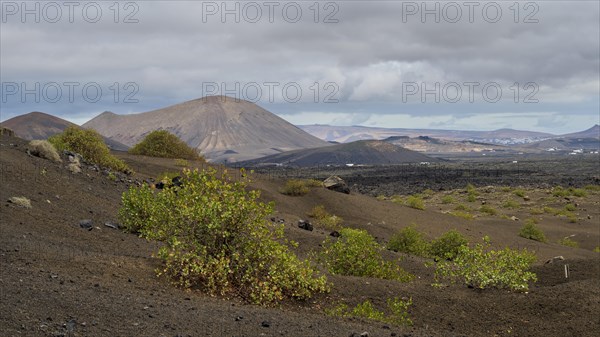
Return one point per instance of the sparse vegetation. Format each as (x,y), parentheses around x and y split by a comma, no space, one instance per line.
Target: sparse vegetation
(595,188)
(356,253)
(481,267)
(448,245)
(410,241)
(567,241)
(90,145)
(295,187)
(558,191)
(163,144)
(471,197)
(215,238)
(510,204)
(416,202)
(488,210)
(182,162)
(531,231)
(323,218)
(397,307)
(461,214)
(519,192)
(570,208)
(578,192)
(448,199)
(43,149)
(597,249)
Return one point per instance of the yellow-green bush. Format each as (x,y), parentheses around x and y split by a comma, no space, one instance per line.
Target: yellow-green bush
(410,241)
(328,221)
(356,253)
(531,231)
(295,187)
(216,238)
(163,144)
(481,267)
(448,245)
(416,202)
(90,145)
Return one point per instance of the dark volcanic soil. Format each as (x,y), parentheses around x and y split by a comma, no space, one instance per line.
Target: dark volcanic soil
(57,279)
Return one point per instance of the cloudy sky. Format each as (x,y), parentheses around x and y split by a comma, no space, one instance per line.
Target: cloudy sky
(444,65)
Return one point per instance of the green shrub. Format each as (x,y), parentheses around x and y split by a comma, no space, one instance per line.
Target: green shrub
(505,189)
(480,267)
(578,192)
(398,311)
(43,149)
(368,311)
(471,197)
(295,187)
(531,231)
(313,183)
(570,208)
(448,199)
(488,210)
(536,211)
(558,191)
(567,241)
(216,238)
(550,210)
(163,144)
(328,221)
(462,207)
(416,202)
(428,193)
(597,249)
(410,241)
(356,253)
(595,188)
(519,192)
(447,246)
(511,204)
(90,145)
(181,162)
(464,215)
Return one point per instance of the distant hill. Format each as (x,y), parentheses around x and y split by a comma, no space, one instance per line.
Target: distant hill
(433,145)
(365,152)
(39,125)
(344,134)
(223,129)
(593,132)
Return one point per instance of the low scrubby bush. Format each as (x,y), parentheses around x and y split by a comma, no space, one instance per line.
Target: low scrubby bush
(43,149)
(323,218)
(568,242)
(448,245)
(295,187)
(163,144)
(90,145)
(488,210)
(531,231)
(482,267)
(216,238)
(448,199)
(410,241)
(416,202)
(397,311)
(356,253)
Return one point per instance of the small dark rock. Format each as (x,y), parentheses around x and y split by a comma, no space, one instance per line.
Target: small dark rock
(239,318)
(305,225)
(265,324)
(335,234)
(86,224)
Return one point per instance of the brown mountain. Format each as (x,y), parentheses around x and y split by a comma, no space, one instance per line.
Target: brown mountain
(433,145)
(362,152)
(223,129)
(39,125)
(593,132)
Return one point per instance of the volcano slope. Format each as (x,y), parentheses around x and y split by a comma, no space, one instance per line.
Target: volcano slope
(58,279)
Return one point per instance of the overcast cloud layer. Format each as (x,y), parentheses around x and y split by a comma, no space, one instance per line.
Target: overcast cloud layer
(371,60)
